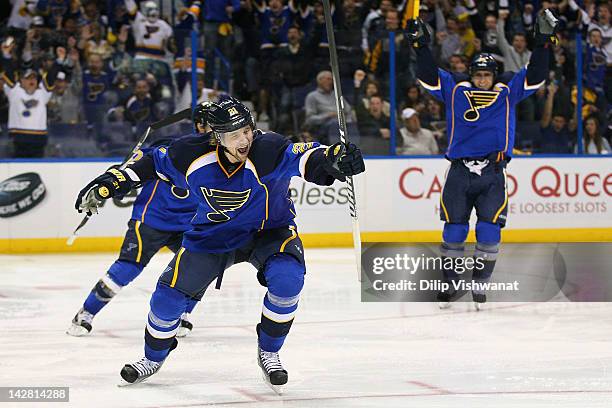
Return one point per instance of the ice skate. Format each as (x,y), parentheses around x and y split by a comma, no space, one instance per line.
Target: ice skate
(272,371)
(445,299)
(186,326)
(81,324)
(479,300)
(139,371)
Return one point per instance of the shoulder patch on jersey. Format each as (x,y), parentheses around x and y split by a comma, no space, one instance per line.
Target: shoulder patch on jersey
(224,201)
(478,100)
(299,148)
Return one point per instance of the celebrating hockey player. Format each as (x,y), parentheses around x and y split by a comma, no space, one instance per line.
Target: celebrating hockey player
(241,177)
(160,215)
(480,127)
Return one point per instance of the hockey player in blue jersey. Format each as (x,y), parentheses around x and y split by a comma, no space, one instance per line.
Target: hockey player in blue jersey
(481,118)
(241,177)
(160,215)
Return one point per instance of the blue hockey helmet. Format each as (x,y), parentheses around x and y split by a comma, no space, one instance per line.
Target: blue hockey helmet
(483,62)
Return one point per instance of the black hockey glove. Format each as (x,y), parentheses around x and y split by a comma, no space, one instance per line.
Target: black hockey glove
(546,28)
(417,33)
(342,162)
(113,183)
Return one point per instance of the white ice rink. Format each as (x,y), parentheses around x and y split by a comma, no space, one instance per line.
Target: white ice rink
(340,352)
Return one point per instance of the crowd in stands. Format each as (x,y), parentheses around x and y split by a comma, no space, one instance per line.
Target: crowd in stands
(85,77)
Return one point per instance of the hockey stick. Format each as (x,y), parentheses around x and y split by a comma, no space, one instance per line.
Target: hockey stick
(176,117)
(333,57)
(411,12)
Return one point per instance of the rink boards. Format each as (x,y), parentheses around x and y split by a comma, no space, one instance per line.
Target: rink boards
(550,199)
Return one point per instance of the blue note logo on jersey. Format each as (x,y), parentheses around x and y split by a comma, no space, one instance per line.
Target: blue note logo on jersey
(223,201)
(30,103)
(478,100)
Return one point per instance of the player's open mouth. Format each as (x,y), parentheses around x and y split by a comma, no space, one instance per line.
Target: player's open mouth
(243,150)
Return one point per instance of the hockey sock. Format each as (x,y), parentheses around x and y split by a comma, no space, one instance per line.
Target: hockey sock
(119,274)
(451,251)
(191,304)
(167,306)
(485,256)
(285,278)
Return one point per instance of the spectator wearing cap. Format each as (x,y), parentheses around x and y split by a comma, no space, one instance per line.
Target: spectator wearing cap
(415,139)
(28,98)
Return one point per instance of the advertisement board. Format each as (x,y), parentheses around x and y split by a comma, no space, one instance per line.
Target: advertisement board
(398,199)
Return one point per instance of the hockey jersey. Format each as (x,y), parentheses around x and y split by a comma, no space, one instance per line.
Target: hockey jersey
(480,122)
(234,205)
(150,38)
(273,26)
(95,86)
(165,207)
(27,112)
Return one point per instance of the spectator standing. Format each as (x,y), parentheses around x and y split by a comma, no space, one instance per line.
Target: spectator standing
(218,34)
(554,133)
(28,100)
(153,36)
(595,64)
(97,82)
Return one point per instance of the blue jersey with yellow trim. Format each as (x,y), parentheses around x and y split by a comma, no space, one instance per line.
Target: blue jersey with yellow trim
(234,202)
(165,207)
(480,122)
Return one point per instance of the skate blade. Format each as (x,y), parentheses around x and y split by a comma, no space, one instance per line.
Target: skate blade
(77,331)
(278,389)
(123,383)
(444,305)
(479,306)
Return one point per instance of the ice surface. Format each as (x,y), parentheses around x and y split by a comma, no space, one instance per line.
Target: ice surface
(340,352)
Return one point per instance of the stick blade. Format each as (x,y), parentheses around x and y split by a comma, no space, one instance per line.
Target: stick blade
(71,240)
(412,9)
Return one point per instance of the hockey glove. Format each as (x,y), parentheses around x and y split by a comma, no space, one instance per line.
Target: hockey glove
(417,33)
(545,28)
(113,183)
(342,161)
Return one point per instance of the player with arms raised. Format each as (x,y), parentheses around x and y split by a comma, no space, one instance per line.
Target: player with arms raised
(480,127)
(241,178)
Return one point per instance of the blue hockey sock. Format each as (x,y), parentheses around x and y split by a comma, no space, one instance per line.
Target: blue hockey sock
(191,304)
(167,306)
(119,274)
(285,277)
